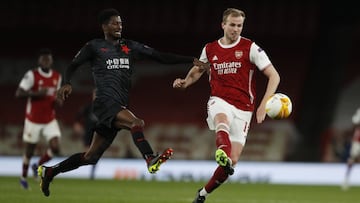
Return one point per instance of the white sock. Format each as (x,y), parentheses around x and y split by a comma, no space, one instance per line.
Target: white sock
(203,192)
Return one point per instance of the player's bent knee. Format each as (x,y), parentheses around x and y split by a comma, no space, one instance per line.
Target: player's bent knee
(139,123)
(93,160)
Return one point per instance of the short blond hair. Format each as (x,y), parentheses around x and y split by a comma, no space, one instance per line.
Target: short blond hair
(232,12)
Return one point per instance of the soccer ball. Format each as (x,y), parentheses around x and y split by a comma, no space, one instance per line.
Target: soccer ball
(278,106)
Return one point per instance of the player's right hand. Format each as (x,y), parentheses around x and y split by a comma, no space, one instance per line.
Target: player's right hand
(179,83)
(64,92)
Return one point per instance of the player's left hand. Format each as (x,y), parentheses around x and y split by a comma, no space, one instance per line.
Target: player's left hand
(64,92)
(201,65)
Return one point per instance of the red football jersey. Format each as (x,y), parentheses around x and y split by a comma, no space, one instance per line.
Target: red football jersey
(41,110)
(232,71)
(356,136)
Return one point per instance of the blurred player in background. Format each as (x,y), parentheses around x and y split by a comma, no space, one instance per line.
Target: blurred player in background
(355,148)
(39,86)
(112,59)
(85,126)
(233,60)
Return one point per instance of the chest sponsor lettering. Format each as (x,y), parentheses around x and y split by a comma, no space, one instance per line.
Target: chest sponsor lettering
(117,63)
(227,67)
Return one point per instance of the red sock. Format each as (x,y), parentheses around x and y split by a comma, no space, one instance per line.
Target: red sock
(44,158)
(25,168)
(216,180)
(223,142)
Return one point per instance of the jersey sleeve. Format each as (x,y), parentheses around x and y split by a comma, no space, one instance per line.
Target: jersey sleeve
(80,58)
(83,55)
(139,50)
(356,117)
(27,82)
(203,56)
(161,57)
(259,57)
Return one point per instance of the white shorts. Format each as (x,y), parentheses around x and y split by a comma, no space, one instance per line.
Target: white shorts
(33,131)
(355,149)
(239,120)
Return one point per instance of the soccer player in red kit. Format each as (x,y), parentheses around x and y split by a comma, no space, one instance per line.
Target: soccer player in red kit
(233,61)
(39,86)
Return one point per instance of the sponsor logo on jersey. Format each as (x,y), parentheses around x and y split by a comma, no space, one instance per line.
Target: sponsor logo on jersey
(51,91)
(117,63)
(227,67)
(215,58)
(223,65)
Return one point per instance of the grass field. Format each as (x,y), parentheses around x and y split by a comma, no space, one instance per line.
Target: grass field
(107,191)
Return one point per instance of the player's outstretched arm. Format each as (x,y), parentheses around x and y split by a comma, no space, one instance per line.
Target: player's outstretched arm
(193,75)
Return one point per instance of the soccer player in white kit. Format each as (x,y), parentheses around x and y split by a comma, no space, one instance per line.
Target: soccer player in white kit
(355,148)
(233,61)
(39,86)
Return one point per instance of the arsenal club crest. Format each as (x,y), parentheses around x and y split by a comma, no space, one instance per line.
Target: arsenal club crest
(238,54)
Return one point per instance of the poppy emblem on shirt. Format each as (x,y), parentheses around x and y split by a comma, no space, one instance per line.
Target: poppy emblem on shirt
(125,49)
(238,54)
(104,49)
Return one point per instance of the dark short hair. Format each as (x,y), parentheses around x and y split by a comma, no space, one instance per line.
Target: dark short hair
(105,15)
(44,51)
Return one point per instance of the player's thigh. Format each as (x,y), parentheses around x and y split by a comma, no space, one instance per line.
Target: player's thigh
(51,130)
(239,127)
(31,132)
(218,106)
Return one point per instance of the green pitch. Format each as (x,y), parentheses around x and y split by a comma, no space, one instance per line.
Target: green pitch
(127,191)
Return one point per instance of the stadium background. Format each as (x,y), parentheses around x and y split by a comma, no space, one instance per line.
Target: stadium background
(313,45)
